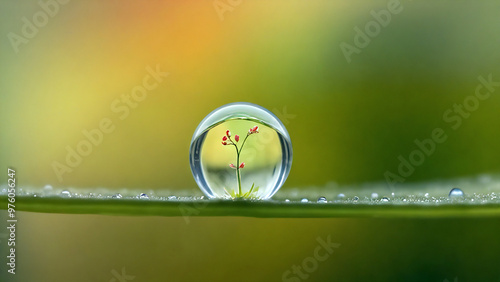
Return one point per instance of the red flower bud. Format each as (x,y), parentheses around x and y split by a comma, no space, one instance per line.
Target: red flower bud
(237,138)
(232,166)
(242,165)
(253,130)
(228,133)
(224,138)
(224,143)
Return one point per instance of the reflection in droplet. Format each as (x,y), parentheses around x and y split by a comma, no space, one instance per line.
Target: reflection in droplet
(456,193)
(304,200)
(240,150)
(322,200)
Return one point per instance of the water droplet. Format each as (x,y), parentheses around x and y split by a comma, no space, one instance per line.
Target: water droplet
(172,198)
(66,193)
(287,200)
(340,196)
(385,199)
(356,198)
(47,188)
(374,195)
(322,200)
(304,200)
(426,195)
(456,193)
(143,196)
(264,155)
(117,196)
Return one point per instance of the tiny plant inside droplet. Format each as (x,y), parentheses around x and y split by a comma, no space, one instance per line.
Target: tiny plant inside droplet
(254,159)
(228,141)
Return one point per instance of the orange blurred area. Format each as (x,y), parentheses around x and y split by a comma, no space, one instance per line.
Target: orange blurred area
(87,61)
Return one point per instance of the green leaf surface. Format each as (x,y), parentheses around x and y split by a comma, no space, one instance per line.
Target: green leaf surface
(428,199)
(265,209)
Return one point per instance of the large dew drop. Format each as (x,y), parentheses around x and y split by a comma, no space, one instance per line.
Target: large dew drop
(240,150)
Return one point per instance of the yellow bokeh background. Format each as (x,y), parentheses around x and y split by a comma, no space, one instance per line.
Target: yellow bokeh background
(348,122)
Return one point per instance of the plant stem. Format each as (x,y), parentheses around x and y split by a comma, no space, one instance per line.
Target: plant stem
(238,173)
(243,144)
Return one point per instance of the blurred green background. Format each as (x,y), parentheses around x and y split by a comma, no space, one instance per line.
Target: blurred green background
(349,120)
